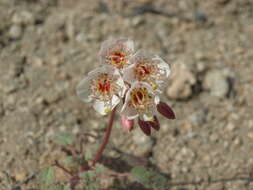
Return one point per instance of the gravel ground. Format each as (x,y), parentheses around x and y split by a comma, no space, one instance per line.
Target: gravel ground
(47,46)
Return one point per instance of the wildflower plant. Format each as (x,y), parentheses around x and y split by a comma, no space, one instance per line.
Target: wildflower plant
(132,83)
(131,80)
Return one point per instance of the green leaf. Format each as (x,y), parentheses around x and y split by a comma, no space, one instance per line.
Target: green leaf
(149,178)
(88,176)
(47,176)
(74,160)
(88,156)
(141,174)
(93,186)
(68,160)
(100,169)
(65,139)
(158,181)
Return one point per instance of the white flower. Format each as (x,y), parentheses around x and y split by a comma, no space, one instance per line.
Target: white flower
(147,68)
(140,100)
(103,87)
(134,79)
(117,52)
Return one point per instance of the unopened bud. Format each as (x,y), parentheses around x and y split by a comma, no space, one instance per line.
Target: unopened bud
(127,124)
(165,110)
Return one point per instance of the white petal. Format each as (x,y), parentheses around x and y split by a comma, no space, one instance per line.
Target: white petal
(116,44)
(163,66)
(122,86)
(141,84)
(128,74)
(129,112)
(83,90)
(102,69)
(105,107)
(141,54)
(157,100)
(115,101)
(129,44)
(100,107)
(106,46)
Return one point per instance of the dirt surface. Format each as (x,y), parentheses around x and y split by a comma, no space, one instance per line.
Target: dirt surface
(47,46)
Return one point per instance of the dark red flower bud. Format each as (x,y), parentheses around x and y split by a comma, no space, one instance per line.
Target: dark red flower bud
(165,110)
(145,127)
(154,124)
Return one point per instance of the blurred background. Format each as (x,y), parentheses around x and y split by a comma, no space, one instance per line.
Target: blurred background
(47,47)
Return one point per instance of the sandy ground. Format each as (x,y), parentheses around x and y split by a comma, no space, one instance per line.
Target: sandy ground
(47,46)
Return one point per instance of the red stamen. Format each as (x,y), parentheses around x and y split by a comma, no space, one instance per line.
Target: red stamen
(146,70)
(104,86)
(118,57)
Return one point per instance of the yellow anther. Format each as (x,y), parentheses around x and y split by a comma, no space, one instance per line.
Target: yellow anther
(154,86)
(107,110)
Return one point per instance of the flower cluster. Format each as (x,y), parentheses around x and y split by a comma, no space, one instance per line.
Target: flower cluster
(131,79)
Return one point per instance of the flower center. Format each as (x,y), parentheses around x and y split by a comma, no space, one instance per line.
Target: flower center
(140,98)
(144,71)
(117,59)
(103,87)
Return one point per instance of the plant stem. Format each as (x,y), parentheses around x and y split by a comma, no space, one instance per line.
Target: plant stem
(57,164)
(106,138)
(116,175)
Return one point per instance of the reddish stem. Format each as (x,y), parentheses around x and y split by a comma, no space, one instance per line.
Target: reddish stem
(106,138)
(116,175)
(57,164)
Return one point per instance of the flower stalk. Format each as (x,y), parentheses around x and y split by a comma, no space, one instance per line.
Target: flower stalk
(106,138)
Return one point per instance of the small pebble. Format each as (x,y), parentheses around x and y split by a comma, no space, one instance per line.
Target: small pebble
(250,135)
(237,142)
(15,32)
(23,18)
(230,127)
(182,81)
(216,83)
(38,61)
(214,138)
(198,118)
(20,176)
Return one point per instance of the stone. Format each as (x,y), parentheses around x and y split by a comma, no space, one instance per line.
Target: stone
(91,137)
(230,126)
(20,176)
(216,83)
(138,20)
(144,143)
(198,118)
(182,81)
(70,28)
(250,135)
(15,32)
(237,141)
(23,18)
(37,61)
(55,61)
(214,138)
(201,67)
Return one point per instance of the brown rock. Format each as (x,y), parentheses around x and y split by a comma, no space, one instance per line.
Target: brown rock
(182,81)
